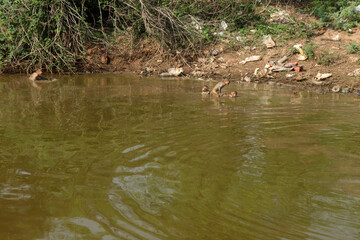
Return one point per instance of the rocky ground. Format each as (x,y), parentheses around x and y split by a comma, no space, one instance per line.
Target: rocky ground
(226,60)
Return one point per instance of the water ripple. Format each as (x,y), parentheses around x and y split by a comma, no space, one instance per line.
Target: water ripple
(118,158)
(9,192)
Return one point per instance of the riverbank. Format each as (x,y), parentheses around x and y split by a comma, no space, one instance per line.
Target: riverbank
(327,52)
(240,41)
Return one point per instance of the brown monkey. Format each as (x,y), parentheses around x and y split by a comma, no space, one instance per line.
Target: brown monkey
(217,89)
(233,94)
(205,90)
(36,76)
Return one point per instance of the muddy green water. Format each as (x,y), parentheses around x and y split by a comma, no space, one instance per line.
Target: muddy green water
(119,157)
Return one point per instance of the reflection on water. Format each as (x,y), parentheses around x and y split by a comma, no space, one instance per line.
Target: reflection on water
(119,157)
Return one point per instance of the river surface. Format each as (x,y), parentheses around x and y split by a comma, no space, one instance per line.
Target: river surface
(120,157)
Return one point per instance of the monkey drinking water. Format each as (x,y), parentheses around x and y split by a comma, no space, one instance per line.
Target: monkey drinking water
(37,76)
(205,90)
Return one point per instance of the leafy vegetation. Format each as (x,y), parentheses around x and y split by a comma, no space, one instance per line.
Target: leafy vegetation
(41,33)
(338,14)
(309,49)
(353,47)
(326,58)
(53,34)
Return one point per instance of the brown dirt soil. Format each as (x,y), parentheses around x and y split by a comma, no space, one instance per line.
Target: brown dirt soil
(148,58)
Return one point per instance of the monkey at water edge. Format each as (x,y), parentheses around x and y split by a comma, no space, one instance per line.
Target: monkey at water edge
(37,76)
(205,90)
(217,89)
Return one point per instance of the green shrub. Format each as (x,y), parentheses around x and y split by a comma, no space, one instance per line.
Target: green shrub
(339,14)
(53,33)
(172,22)
(353,47)
(309,49)
(347,17)
(41,33)
(326,58)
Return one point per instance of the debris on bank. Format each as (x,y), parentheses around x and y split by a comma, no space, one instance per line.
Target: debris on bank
(300,48)
(172,72)
(268,41)
(346,90)
(336,89)
(280,16)
(336,38)
(322,76)
(251,59)
(281,67)
(355,73)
